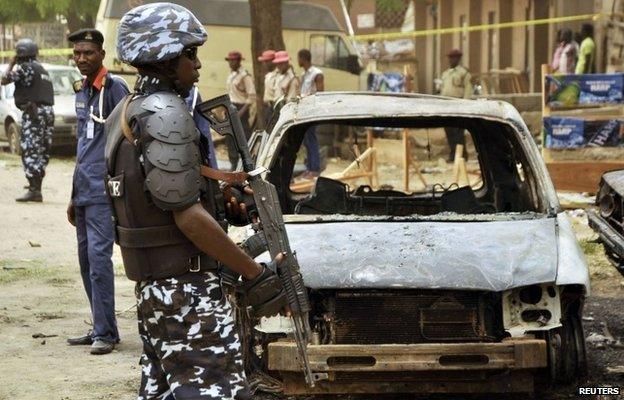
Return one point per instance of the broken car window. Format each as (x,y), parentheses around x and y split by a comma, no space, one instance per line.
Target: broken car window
(403,167)
(431,160)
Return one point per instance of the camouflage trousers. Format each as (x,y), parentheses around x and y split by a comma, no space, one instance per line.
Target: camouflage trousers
(191,348)
(36,139)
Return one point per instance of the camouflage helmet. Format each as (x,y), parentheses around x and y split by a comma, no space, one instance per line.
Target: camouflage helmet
(157,32)
(26,48)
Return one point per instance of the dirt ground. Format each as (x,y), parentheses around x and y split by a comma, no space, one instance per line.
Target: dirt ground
(41,295)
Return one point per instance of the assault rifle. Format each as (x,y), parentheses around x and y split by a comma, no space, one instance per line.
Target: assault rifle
(224,119)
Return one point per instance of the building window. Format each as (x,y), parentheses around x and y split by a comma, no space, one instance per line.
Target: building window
(329,51)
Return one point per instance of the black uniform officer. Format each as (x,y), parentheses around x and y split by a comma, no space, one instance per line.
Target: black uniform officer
(34,96)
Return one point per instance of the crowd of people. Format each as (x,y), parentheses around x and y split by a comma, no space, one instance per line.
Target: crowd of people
(575,53)
(280,81)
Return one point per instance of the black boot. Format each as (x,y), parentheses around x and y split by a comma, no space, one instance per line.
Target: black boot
(34,192)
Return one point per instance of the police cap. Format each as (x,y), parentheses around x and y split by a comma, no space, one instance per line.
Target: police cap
(86,35)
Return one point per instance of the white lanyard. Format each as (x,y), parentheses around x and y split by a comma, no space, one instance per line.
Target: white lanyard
(94,117)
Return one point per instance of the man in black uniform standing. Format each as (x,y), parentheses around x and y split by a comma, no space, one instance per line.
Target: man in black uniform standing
(169,217)
(34,96)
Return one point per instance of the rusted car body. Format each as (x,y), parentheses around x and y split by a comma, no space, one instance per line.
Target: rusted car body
(607,219)
(437,290)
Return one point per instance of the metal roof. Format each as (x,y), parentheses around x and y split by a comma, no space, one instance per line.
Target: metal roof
(295,14)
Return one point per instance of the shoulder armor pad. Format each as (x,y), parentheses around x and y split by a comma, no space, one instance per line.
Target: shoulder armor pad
(171,121)
(161,100)
(174,190)
(170,143)
(173,157)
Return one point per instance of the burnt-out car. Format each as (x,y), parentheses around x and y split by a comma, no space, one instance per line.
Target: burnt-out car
(424,275)
(607,219)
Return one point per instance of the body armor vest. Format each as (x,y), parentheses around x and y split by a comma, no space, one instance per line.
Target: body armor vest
(40,91)
(152,246)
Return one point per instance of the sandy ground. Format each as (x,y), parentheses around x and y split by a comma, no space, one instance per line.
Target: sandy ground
(41,294)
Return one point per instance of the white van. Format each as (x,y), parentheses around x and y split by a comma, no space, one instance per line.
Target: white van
(305,25)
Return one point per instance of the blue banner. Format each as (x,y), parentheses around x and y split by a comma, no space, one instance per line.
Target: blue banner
(569,90)
(573,133)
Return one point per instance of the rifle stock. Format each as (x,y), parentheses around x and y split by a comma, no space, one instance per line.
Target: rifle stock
(223,117)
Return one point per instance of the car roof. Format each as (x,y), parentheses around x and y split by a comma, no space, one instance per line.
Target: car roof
(342,105)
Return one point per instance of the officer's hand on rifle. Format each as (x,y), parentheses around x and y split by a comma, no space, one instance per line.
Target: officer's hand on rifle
(265,293)
(240,205)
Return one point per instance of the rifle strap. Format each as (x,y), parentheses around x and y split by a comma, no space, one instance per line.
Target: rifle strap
(231,178)
(125,127)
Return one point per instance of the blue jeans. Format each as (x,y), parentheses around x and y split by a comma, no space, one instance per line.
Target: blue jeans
(94,228)
(313,160)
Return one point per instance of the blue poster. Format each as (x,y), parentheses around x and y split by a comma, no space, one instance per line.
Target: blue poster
(563,133)
(569,90)
(573,133)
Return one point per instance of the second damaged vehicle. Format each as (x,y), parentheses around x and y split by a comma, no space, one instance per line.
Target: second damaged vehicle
(607,218)
(424,274)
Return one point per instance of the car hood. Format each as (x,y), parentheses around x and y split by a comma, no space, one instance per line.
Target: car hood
(493,256)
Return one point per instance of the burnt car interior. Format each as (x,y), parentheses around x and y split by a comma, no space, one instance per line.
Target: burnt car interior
(499,177)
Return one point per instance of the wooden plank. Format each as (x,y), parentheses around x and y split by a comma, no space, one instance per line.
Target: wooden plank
(545,107)
(415,357)
(580,176)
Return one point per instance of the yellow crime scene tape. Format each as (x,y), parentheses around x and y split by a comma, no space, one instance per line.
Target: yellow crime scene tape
(398,35)
(42,52)
(457,29)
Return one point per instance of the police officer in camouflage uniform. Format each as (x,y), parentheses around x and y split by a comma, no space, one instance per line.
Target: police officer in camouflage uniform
(169,218)
(34,96)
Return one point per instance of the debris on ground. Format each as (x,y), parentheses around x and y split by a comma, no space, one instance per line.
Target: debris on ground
(616,370)
(576,201)
(42,335)
(577,213)
(596,338)
(34,244)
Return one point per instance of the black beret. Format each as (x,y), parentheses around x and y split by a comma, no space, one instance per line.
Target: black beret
(86,35)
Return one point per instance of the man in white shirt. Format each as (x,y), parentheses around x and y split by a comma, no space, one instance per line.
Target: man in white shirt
(286,82)
(242,92)
(268,98)
(312,81)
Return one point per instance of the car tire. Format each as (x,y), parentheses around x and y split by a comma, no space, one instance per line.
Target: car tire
(566,351)
(13,136)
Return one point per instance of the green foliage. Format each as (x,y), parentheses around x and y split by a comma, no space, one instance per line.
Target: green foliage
(46,10)
(390,6)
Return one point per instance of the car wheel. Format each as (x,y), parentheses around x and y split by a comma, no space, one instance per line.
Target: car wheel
(13,135)
(566,351)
